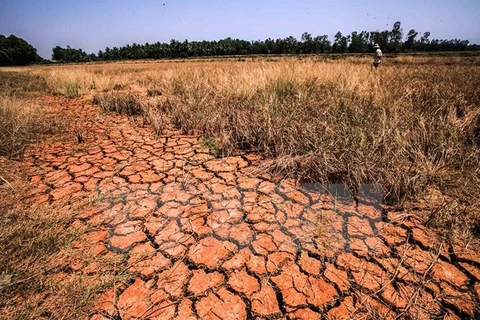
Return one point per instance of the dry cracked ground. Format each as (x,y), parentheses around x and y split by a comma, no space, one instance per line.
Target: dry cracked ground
(207,238)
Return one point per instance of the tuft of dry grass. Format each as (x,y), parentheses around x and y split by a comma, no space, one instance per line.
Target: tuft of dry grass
(20,122)
(122,103)
(134,104)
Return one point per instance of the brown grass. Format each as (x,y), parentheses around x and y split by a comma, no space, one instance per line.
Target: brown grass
(21,83)
(35,243)
(413,126)
(20,122)
(405,128)
(122,103)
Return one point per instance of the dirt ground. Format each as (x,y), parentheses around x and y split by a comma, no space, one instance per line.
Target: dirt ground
(211,238)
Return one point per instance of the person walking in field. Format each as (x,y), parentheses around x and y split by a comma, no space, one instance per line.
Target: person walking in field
(378,56)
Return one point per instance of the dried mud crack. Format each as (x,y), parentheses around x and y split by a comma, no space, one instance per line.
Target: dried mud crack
(205,238)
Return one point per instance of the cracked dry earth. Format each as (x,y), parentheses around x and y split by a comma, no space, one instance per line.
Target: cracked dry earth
(206,238)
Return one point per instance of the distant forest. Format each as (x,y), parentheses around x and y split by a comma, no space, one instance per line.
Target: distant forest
(14,52)
(392,41)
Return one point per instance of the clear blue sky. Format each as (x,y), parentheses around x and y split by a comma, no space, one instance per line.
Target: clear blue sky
(93,25)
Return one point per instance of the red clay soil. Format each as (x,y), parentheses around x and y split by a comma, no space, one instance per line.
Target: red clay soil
(206,238)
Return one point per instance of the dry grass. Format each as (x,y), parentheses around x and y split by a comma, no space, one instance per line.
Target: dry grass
(405,128)
(35,242)
(121,103)
(413,126)
(35,282)
(20,122)
(22,83)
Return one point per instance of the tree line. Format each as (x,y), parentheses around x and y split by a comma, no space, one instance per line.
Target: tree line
(392,41)
(16,51)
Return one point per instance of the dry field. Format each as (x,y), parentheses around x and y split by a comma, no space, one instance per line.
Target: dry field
(412,127)
(79,143)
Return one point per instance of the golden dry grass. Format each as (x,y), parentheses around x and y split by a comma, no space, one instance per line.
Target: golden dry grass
(122,103)
(20,121)
(412,126)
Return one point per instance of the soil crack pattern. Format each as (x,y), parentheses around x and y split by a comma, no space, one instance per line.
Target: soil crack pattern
(208,238)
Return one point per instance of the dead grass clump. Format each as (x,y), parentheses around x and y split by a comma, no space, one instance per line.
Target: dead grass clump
(153,116)
(343,123)
(20,121)
(154,92)
(459,222)
(119,102)
(72,90)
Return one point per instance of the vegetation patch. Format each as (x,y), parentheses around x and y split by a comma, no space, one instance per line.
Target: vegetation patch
(214,147)
(72,90)
(122,103)
(409,130)
(20,122)
(22,84)
(35,282)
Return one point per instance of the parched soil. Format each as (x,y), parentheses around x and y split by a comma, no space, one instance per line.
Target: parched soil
(212,239)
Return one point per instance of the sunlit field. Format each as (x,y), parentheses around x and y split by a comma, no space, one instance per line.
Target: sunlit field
(411,126)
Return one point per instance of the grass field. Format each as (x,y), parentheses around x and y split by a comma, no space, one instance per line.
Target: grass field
(412,126)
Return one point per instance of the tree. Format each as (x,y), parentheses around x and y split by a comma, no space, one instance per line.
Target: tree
(357,43)
(321,44)
(424,40)
(410,42)
(341,43)
(17,52)
(336,43)
(396,36)
(291,45)
(70,55)
(307,43)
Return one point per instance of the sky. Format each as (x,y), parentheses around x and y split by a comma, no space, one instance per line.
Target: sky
(93,25)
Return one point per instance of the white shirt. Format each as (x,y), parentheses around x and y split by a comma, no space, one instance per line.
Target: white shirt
(378,55)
